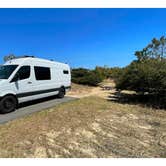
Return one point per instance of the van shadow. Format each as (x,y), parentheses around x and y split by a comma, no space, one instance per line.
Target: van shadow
(37,101)
(147,100)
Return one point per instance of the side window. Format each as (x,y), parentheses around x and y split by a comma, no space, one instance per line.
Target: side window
(42,73)
(22,73)
(65,72)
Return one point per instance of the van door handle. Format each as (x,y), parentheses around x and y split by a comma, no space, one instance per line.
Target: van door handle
(29,82)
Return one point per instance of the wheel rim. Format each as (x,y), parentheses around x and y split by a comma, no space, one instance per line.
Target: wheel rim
(62,93)
(8,104)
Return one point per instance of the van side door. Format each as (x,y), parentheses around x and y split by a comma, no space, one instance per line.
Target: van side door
(44,85)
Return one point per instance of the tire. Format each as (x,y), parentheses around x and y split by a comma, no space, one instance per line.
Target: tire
(61,93)
(8,104)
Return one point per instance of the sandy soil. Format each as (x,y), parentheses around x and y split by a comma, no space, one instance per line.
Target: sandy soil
(91,126)
(81,91)
(88,127)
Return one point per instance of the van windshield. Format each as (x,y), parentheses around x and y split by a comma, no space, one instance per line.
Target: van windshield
(6,71)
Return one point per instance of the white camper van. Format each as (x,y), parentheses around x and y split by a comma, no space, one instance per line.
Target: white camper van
(27,78)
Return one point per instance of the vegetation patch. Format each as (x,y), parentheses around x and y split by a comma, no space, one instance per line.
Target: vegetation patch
(88,127)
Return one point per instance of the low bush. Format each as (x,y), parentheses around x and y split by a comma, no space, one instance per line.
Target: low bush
(147,76)
(86,76)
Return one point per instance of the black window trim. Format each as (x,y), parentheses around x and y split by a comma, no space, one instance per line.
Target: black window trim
(18,71)
(16,66)
(43,79)
(65,71)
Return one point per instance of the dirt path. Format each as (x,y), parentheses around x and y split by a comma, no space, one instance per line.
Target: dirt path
(81,91)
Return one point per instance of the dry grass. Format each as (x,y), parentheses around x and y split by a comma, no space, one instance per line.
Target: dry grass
(88,127)
(80,90)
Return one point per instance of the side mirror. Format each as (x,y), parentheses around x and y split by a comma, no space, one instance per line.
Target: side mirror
(16,78)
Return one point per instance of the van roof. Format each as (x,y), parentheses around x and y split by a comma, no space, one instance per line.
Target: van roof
(23,60)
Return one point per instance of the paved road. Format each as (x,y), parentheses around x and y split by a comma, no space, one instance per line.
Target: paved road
(31,107)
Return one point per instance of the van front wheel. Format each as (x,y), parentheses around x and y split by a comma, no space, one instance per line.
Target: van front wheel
(8,104)
(61,93)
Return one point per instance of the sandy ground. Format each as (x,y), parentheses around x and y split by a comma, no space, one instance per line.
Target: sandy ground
(89,127)
(81,91)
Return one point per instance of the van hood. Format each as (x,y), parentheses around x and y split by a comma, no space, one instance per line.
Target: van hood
(2,81)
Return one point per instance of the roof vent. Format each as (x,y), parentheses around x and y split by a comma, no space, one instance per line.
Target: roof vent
(26,56)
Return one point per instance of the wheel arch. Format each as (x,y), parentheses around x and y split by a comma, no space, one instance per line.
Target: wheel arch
(9,93)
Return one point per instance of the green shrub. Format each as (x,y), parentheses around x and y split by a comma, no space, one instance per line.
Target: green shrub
(148,72)
(103,72)
(86,76)
(147,76)
(115,73)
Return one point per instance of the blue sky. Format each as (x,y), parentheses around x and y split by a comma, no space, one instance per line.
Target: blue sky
(80,37)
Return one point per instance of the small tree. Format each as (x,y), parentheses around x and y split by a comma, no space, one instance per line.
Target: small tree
(148,72)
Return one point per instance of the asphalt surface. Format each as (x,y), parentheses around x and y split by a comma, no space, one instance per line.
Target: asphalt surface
(34,106)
